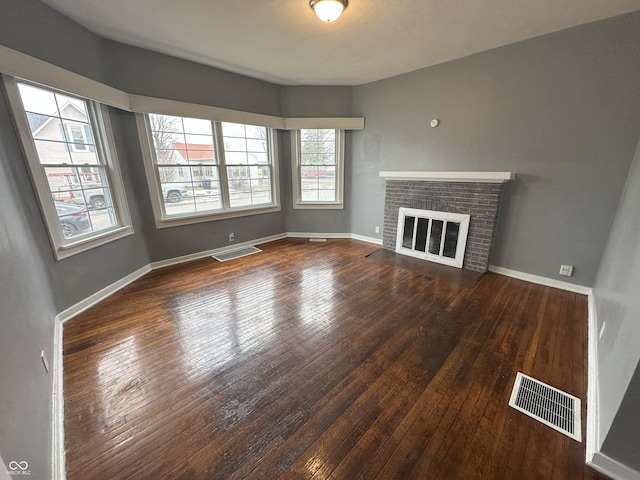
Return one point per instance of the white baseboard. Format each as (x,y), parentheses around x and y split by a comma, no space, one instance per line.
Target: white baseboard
(547,282)
(317,235)
(353,236)
(100,295)
(612,468)
(215,251)
(57,422)
(362,238)
(593,397)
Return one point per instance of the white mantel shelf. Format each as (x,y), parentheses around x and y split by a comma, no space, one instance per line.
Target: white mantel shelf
(470,177)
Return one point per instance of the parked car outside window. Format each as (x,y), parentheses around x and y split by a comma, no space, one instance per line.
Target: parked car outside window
(73,219)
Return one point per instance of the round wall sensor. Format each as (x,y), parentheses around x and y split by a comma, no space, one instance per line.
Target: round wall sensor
(435,122)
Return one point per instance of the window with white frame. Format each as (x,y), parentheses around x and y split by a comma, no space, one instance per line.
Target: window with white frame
(318,167)
(70,151)
(200,170)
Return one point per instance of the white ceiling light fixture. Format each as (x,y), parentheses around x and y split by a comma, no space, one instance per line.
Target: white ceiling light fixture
(328,10)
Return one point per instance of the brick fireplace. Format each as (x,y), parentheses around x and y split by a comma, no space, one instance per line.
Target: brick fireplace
(477,194)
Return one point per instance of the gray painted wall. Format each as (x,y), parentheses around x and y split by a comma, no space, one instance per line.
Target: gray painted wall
(562,111)
(33,28)
(623,441)
(616,292)
(27,312)
(316,101)
(143,72)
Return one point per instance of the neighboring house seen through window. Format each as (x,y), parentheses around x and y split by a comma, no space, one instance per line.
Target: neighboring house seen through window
(318,168)
(71,156)
(200,170)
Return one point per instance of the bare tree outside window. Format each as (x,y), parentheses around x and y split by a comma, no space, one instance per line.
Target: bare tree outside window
(318,146)
(317,161)
(163,130)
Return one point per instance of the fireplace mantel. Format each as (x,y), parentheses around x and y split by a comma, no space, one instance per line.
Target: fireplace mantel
(471,177)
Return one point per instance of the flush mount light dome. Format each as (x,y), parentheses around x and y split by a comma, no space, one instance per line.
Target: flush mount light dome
(328,10)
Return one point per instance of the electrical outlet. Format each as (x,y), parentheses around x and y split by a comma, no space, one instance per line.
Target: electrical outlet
(44,361)
(377,229)
(231,237)
(566,270)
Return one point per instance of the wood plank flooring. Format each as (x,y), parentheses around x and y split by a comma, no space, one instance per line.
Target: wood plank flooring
(310,360)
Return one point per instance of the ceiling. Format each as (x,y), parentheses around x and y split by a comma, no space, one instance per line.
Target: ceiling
(282,41)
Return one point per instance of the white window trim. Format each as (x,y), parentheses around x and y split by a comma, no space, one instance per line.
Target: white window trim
(297,177)
(155,190)
(66,248)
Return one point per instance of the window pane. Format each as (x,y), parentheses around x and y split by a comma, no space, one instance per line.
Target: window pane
(166,123)
(52,153)
(189,190)
(71,108)
(249,185)
(421,234)
(64,134)
(236,158)
(451,240)
(233,144)
(310,195)
(309,159)
(63,183)
(258,158)
(178,198)
(46,127)
(256,132)
(233,130)
(324,159)
(84,158)
(321,180)
(199,142)
(102,218)
(170,156)
(259,145)
(436,235)
(168,140)
(407,234)
(195,125)
(174,147)
(73,219)
(174,174)
(38,100)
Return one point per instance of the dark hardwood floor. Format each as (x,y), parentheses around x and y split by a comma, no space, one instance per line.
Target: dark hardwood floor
(310,360)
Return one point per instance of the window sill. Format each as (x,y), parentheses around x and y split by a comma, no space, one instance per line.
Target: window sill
(318,206)
(82,245)
(166,222)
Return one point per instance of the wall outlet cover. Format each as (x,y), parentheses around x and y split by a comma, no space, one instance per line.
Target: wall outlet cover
(566,270)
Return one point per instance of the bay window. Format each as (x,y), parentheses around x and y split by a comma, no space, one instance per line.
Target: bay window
(200,170)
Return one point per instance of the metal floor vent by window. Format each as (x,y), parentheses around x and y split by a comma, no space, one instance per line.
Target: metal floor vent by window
(551,406)
(240,252)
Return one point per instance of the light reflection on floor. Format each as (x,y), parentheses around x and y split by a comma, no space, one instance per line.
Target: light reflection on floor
(119,393)
(317,299)
(241,320)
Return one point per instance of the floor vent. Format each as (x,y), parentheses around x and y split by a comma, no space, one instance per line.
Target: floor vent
(240,252)
(551,406)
